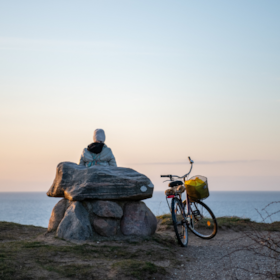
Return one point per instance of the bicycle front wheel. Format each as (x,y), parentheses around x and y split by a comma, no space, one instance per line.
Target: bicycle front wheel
(203,222)
(179,221)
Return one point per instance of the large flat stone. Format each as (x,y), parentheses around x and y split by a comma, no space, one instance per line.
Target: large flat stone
(76,182)
(76,224)
(138,219)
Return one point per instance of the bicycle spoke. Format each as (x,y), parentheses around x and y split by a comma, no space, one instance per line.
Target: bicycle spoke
(204,223)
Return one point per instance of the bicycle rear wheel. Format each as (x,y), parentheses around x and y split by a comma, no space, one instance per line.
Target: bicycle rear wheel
(203,222)
(179,221)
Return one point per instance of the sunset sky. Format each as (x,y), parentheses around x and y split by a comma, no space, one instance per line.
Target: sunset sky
(164,79)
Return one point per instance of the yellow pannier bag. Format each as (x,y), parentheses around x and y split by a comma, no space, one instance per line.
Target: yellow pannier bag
(197,187)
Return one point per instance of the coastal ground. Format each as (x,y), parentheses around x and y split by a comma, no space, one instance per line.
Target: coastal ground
(29,252)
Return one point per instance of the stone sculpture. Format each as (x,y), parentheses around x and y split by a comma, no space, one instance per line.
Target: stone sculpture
(100,201)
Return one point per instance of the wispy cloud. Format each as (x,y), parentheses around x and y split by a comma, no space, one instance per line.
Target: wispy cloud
(202,162)
(25,43)
(108,47)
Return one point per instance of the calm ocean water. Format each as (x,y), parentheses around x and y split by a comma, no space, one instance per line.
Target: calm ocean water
(35,208)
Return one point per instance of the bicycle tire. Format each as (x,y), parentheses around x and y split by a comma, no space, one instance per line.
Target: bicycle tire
(180,226)
(203,223)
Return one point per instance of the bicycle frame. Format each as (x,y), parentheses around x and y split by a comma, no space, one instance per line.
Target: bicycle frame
(187,206)
(177,194)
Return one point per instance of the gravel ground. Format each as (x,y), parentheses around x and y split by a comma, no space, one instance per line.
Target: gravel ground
(217,258)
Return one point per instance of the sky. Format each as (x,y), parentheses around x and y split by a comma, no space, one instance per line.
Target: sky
(164,79)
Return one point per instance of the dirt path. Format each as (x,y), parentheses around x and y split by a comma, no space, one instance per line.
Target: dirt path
(214,259)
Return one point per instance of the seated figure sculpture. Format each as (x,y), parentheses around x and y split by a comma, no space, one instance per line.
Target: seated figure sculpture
(97,153)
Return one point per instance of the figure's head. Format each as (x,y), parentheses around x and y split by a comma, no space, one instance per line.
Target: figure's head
(99,135)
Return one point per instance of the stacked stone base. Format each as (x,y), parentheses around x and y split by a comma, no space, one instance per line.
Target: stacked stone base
(81,221)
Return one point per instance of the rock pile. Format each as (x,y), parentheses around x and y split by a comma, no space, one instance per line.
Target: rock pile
(100,201)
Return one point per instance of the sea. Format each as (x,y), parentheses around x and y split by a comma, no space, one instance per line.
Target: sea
(34,208)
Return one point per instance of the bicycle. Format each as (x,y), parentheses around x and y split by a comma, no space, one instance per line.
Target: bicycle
(191,213)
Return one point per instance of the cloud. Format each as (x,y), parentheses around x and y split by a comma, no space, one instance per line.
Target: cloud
(27,44)
(202,162)
(98,47)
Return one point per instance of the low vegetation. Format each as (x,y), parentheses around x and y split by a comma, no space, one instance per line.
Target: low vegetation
(28,252)
(138,269)
(234,223)
(238,224)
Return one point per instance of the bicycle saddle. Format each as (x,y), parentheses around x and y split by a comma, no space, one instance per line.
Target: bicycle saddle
(175,183)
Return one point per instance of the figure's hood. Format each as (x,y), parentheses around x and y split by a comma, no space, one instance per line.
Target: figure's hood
(95,148)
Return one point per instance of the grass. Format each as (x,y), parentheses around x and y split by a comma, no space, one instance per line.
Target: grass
(6,271)
(14,231)
(245,223)
(26,257)
(35,245)
(228,222)
(139,269)
(48,258)
(78,271)
(6,268)
(31,255)
(163,239)
(165,219)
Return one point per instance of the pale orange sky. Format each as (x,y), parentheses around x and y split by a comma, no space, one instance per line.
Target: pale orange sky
(31,166)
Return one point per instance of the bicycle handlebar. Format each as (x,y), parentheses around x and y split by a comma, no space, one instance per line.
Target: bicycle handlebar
(170,176)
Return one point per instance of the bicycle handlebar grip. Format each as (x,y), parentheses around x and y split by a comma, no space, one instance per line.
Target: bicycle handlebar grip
(164,176)
(191,161)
